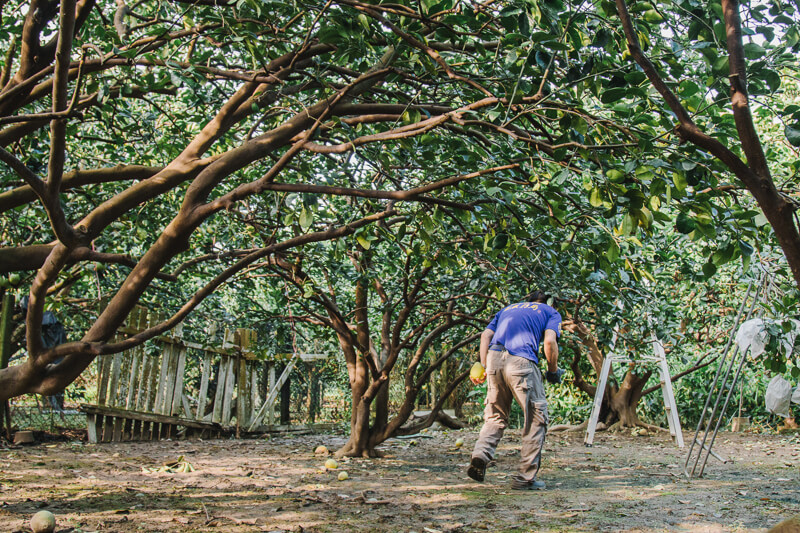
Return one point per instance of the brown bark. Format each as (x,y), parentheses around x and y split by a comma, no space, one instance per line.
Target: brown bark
(24,195)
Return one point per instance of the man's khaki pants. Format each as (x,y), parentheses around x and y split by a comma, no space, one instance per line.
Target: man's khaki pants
(510,376)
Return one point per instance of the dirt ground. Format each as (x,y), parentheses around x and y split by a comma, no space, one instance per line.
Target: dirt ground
(624,483)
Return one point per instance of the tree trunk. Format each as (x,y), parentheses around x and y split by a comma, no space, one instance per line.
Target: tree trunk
(624,400)
(358,445)
(619,401)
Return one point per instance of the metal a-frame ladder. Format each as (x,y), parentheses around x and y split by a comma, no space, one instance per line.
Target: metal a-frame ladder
(659,357)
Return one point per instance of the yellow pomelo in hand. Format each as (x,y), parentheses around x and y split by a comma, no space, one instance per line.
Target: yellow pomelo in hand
(477,372)
(331,464)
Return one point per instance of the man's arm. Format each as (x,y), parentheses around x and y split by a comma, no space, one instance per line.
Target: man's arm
(551,349)
(486,340)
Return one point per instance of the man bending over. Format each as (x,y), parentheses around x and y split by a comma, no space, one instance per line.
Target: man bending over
(510,352)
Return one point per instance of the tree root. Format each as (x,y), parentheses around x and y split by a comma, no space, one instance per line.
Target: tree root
(414,423)
(350,451)
(618,426)
(570,428)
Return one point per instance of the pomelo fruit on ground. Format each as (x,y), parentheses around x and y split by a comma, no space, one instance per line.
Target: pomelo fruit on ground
(331,464)
(43,522)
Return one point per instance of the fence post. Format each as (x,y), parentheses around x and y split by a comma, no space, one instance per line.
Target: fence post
(5,352)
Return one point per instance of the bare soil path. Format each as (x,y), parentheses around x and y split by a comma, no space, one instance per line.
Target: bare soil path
(624,483)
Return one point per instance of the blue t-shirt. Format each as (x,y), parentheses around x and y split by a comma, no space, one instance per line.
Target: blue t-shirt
(520,327)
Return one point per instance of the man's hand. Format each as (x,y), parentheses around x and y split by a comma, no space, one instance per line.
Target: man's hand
(478,381)
(477,374)
(554,377)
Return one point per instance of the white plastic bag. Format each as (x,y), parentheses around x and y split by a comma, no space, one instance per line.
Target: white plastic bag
(779,394)
(796,395)
(752,334)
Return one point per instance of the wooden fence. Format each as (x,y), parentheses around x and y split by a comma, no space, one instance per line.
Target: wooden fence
(174,388)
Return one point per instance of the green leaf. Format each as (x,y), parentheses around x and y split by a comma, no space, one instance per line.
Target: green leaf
(616,175)
(760,220)
(792,134)
(306,218)
(709,269)
(363,242)
(613,252)
(629,223)
(596,197)
(308,290)
(679,179)
(427,5)
(754,51)
(612,95)
(500,241)
(772,78)
(684,223)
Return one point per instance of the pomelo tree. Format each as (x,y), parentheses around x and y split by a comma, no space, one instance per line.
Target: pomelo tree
(131,134)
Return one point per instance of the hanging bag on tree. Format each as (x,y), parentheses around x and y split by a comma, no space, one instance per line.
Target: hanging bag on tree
(779,394)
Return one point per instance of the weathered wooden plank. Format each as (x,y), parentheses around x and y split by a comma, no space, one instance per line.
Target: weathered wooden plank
(163,374)
(123,385)
(202,397)
(230,385)
(133,381)
(108,428)
(117,435)
(113,381)
(103,372)
(219,393)
(91,428)
(271,408)
(146,417)
(242,394)
(143,400)
(187,408)
(154,377)
(254,393)
(177,393)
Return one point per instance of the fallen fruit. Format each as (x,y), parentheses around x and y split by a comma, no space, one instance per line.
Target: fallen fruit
(331,464)
(477,372)
(342,475)
(321,450)
(459,442)
(43,522)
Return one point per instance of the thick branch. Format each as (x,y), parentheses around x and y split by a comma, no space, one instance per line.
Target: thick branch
(77,178)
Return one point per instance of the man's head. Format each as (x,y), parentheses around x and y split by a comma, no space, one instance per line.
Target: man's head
(538,296)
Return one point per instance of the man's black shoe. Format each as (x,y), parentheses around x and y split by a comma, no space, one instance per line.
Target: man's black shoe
(477,469)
